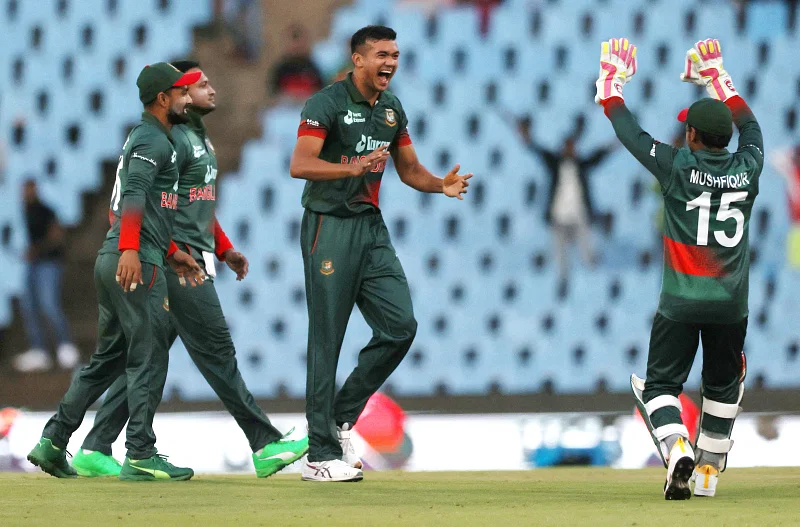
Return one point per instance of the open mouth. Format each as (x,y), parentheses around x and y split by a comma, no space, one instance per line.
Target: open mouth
(385,74)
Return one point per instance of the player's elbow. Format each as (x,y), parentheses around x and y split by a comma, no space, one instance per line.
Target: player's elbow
(296,169)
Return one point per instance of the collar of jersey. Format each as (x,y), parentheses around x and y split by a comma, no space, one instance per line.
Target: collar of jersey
(353,91)
(148,117)
(196,123)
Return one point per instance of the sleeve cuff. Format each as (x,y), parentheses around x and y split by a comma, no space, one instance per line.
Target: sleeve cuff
(173,248)
(221,242)
(129,230)
(737,105)
(610,104)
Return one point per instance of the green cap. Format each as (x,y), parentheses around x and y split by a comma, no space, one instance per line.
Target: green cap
(710,116)
(161,76)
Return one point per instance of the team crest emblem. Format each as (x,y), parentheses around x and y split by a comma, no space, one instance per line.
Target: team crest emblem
(390,120)
(327,267)
(210,146)
(166,304)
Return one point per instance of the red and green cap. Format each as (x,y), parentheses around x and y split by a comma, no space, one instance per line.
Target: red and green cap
(710,116)
(161,76)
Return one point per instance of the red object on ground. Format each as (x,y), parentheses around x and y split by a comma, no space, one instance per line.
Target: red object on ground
(7,418)
(381,423)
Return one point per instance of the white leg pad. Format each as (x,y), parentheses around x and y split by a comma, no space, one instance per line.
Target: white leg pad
(722,410)
(716,446)
(662,401)
(663,432)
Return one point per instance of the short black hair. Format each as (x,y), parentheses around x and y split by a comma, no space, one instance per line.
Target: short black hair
(713,140)
(185,65)
(365,34)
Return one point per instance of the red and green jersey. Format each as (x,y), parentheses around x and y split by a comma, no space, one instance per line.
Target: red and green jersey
(145,194)
(351,128)
(708,198)
(197,186)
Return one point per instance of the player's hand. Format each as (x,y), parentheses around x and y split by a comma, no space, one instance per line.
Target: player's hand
(704,68)
(237,262)
(369,162)
(617,66)
(454,185)
(187,269)
(129,270)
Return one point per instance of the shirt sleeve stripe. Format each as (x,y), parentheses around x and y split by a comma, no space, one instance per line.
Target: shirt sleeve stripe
(403,138)
(308,129)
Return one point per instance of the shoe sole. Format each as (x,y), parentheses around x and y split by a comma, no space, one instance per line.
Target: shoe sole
(280,466)
(329,480)
(85,473)
(50,468)
(678,489)
(137,477)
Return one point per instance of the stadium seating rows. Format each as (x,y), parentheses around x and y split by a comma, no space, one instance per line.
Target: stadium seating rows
(481,271)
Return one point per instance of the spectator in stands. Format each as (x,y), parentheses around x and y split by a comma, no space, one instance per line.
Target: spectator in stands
(42,297)
(485,8)
(569,208)
(787,163)
(243,21)
(296,77)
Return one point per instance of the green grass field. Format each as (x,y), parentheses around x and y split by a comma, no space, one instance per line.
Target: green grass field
(568,496)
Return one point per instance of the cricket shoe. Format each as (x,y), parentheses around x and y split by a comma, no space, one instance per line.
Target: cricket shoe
(155,468)
(705,480)
(51,459)
(333,470)
(349,455)
(679,471)
(278,455)
(93,464)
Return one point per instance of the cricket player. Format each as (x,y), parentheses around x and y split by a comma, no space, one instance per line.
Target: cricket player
(132,287)
(708,197)
(347,132)
(195,313)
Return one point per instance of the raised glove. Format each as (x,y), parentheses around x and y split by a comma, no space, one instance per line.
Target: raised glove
(704,68)
(617,66)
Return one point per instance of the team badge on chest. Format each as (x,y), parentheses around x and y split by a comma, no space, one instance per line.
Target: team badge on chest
(390,119)
(327,267)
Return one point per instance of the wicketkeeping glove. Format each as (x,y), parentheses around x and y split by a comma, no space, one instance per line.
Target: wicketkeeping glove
(704,68)
(617,66)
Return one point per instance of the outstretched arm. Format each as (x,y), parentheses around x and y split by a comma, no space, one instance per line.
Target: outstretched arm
(416,176)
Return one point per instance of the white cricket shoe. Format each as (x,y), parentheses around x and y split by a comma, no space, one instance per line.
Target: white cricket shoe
(349,455)
(333,470)
(68,356)
(705,480)
(35,359)
(679,471)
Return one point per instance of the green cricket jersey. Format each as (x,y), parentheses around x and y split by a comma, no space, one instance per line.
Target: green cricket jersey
(197,187)
(708,198)
(145,191)
(351,128)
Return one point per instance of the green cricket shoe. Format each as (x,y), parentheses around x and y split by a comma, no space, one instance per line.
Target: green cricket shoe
(276,456)
(95,464)
(51,459)
(155,468)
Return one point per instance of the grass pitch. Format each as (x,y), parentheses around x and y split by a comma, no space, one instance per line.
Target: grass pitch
(564,496)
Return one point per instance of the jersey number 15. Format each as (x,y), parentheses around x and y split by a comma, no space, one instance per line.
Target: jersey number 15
(703,202)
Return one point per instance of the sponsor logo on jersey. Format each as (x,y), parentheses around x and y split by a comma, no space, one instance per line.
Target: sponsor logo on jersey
(312,122)
(368,143)
(199,150)
(136,155)
(211,174)
(390,119)
(174,156)
(327,267)
(353,117)
(166,304)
